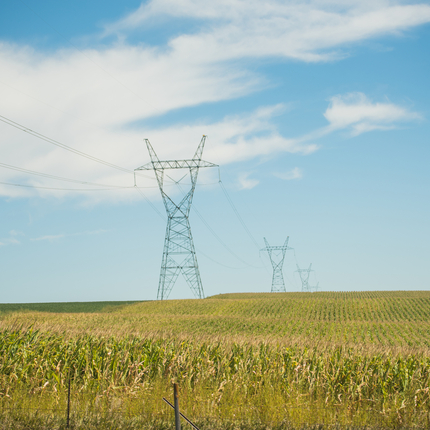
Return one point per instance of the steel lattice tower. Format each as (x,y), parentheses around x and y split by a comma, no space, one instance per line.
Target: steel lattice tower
(277,257)
(315,288)
(304,277)
(179,254)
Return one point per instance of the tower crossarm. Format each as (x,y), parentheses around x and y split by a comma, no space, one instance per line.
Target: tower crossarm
(276,248)
(176,164)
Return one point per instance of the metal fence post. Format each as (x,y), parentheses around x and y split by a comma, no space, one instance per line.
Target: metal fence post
(68,405)
(176,403)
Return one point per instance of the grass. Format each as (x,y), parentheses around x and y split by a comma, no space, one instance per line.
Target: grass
(246,361)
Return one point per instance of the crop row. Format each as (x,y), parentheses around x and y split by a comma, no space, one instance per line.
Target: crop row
(33,359)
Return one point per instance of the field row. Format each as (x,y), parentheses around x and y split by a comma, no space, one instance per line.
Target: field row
(315,307)
(288,332)
(34,358)
(288,319)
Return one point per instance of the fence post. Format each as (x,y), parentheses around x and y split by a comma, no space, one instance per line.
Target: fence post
(68,405)
(176,403)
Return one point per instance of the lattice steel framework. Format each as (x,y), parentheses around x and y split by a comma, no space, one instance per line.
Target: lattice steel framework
(315,288)
(277,257)
(304,277)
(179,254)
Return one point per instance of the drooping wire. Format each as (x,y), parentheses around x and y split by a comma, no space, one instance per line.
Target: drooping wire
(218,238)
(66,147)
(213,232)
(61,189)
(58,178)
(230,201)
(163,218)
(150,203)
(240,219)
(217,262)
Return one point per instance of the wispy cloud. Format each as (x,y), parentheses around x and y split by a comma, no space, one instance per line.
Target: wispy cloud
(247,183)
(355,111)
(124,83)
(295,173)
(16,233)
(12,239)
(9,241)
(55,237)
(50,238)
(308,31)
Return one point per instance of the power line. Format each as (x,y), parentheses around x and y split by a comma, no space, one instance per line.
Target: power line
(217,262)
(238,215)
(150,203)
(218,238)
(63,146)
(58,178)
(200,251)
(60,189)
(213,232)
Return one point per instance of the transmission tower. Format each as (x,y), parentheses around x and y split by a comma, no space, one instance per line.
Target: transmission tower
(277,257)
(304,277)
(315,288)
(179,254)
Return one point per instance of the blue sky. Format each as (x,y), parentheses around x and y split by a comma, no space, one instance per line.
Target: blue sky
(317,113)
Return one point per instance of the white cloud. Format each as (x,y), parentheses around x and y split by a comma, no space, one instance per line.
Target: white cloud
(358,113)
(50,238)
(16,233)
(11,240)
(54,237)
(295,173)
(308,31)
(247,183)
(89,99)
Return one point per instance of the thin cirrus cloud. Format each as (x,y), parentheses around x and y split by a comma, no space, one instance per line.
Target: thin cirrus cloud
(12,239)
(9,241)
(295,173)
(307,31)
(355,111)
(110,88)
(247,183)
(55,237)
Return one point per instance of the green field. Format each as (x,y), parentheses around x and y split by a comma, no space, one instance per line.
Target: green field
(69,307)
(246,361)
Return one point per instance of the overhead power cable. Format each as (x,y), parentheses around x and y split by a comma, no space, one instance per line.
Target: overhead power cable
(150,203)
(217,262)
(63,146)
(238,215)
(211,230)
(58,178)
(218,238)
(60,189)
(163,218)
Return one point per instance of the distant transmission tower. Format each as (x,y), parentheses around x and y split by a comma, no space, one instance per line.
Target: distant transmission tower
(277,257)
(304,277)
(315,287)
(179,254)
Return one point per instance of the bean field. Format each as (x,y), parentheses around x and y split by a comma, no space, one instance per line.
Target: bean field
(280,360)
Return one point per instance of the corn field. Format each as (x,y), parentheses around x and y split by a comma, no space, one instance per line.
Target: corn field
(350,359)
